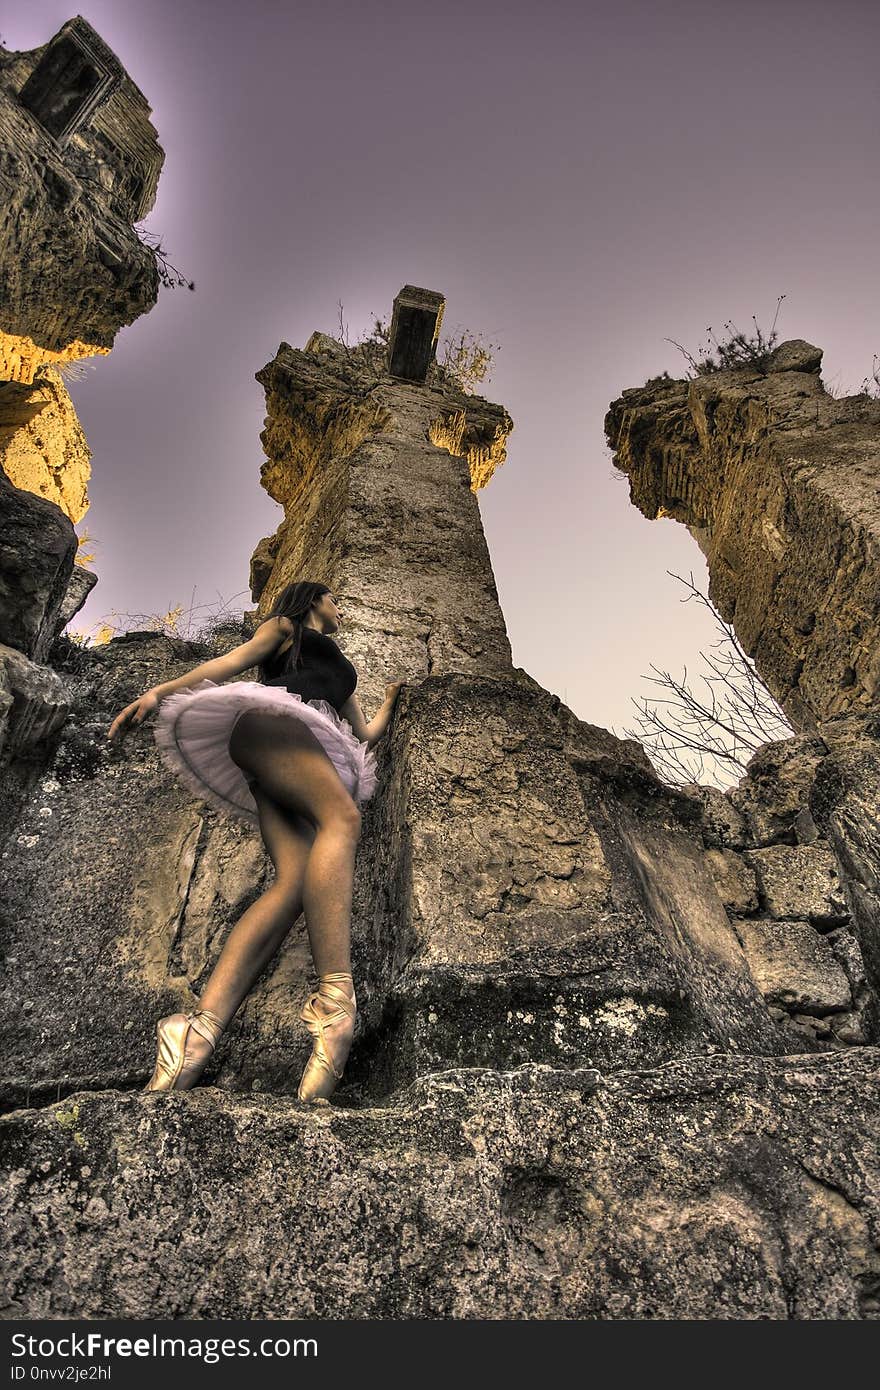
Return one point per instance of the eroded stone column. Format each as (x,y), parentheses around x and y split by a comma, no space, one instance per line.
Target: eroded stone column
(81,163)
(378,479)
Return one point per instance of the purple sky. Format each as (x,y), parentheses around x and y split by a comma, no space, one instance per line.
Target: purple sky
(580,180)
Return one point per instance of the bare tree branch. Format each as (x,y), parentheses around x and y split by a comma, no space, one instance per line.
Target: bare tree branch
(728,724)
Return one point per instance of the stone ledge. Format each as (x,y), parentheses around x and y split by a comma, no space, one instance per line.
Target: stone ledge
(711,1187)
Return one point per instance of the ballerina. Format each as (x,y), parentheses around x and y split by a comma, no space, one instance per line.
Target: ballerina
(291,753)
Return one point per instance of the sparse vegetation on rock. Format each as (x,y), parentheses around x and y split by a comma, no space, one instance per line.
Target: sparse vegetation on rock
(736,349)
(205,624)
(169,275)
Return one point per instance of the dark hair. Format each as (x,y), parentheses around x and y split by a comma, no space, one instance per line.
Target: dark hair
(294,603)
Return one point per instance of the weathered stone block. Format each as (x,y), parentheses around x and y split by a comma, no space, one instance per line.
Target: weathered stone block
(794,356)
(79,586)
(794,966)
(734,878)
(723,825)
(849,1028)
(516,910)
(846,803)
(34,702)
(845,945)
(43,449)
(415,327)
(37,549)
(775,790)
(800,881)
(75,72)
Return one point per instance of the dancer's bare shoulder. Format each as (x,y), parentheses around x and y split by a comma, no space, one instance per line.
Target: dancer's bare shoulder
(266,640)
(279,629)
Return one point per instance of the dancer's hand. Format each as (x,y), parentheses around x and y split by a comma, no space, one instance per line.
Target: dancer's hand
(135,713)
(392,691)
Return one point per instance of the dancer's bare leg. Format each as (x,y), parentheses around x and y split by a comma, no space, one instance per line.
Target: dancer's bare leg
(260,930)
(293,770)
(289,766)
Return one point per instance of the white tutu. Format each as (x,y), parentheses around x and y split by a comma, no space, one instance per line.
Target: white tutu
(193,729)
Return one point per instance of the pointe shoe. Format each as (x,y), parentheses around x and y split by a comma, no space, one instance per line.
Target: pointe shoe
(321,1075)
(173,1071)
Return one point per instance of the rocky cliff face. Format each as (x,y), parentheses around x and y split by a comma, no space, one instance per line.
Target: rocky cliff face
(80,164)
(610,1035)
(43,446)
(777,481)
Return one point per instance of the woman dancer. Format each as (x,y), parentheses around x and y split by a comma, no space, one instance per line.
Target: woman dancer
(291,753)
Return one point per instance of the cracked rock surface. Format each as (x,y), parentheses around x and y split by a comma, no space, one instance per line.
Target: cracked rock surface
(711,1187)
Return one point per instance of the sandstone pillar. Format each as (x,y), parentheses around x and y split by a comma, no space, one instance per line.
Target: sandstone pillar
(378,479)
(777,481)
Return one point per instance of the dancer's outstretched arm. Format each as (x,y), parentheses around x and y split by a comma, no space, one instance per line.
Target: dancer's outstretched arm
(267,637)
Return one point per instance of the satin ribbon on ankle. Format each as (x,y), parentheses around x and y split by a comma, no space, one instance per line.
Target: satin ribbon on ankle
(211,1028)
(328,993)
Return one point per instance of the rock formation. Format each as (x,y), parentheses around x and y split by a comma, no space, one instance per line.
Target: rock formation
(43,446)
(378,477)
(777,482)
(80,164)
(610,1032)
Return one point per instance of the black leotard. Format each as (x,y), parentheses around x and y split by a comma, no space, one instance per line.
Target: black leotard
(323,674)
